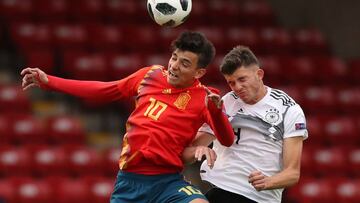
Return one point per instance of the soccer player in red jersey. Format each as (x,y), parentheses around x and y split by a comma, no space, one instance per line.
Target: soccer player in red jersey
(171,105)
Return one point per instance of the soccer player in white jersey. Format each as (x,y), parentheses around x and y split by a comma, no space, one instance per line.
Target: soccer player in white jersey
(269,129)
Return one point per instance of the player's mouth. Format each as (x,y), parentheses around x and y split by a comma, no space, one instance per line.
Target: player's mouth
(172,75)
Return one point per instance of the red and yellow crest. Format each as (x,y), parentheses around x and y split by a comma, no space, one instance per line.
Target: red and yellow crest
(182,101)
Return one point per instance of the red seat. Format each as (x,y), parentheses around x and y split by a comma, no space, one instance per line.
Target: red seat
(7,191)
(23,127)
(50,10)
(33,191)
(67,190)
(83,66)
(48,160)
(157,59)
(347,191)
(246,36)
(348,99)
(320,99)
(65,129)
(330,70)
(13,99)
(272,68)
(122,65)
(310,42)
(70,37)
(229,12)
(111,161)
(14,161)
(86,10)
(256,13)
(16,9)
(274,41)
(101,189)
(29,36)
(43,59)
(216,36)
(213,74)
(120,11)
(354,71)
(307,161)
(341,130)
(354,161)
(330,161)
(302,70)
(315,126)
(198,11)
(5,126)
(82,160)
(145,36)
(106,37)
(311,190)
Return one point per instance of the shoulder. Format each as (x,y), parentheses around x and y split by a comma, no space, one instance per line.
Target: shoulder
(281,97)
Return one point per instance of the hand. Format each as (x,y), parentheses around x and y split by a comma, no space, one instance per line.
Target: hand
(209,154)
(258,180)
(215,98)
(33,77)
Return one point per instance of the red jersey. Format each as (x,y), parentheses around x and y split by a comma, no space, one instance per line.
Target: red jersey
(164,121)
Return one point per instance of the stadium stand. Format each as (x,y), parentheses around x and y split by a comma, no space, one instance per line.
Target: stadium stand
(47,156)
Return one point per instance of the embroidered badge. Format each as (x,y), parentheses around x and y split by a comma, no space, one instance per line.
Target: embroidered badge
(166,91)
(182,101)
(272,116)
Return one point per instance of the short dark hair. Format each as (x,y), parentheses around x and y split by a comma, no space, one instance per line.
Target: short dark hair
(237,57)
(197,43)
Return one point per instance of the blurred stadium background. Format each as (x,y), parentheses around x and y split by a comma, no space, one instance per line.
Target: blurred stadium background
(55,148)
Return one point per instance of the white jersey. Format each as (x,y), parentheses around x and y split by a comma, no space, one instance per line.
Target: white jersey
(259,133)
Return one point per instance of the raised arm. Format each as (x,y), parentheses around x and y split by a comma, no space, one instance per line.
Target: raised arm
(218,120)
(94,90)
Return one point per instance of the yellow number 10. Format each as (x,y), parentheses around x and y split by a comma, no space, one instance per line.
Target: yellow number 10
(154,106)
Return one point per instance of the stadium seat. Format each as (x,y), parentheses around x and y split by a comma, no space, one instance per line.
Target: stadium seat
(84,66)
(16,10)
(69,36)
(86,10)
(69,190)
(330,70)
(347,190)
(13,99)
(111,161)
(82,160)
(33,191)
(65,129)
(309,42)
(272,68)
(307,160)
(48,160)
(274,41)
(50,10)
(320,99)
(229,12)
(44,59)
(215,35)
(7,191)
(315,126)
(5,127)
(341,131)
(101,189)
(246,36)
(157,59)
(213,74)
(14,161)
(105,37)
(24,127)
(29,36)
(330,161)
(120,11)
(198,11)
(122,65)
(348,99)
(312,190)
(145,36)
(354,71)
(256,13)
(302,70)
(354,161)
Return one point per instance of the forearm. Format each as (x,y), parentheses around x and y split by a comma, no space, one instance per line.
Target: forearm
(188,155)
(221,125)
(99,91)
(285,178)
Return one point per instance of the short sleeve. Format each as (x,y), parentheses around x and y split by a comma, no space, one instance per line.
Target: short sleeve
(295,123)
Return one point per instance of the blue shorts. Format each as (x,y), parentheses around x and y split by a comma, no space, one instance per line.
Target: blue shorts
(167,188)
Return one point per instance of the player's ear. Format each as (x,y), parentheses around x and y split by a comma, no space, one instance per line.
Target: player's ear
(200,72)
(260,73)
